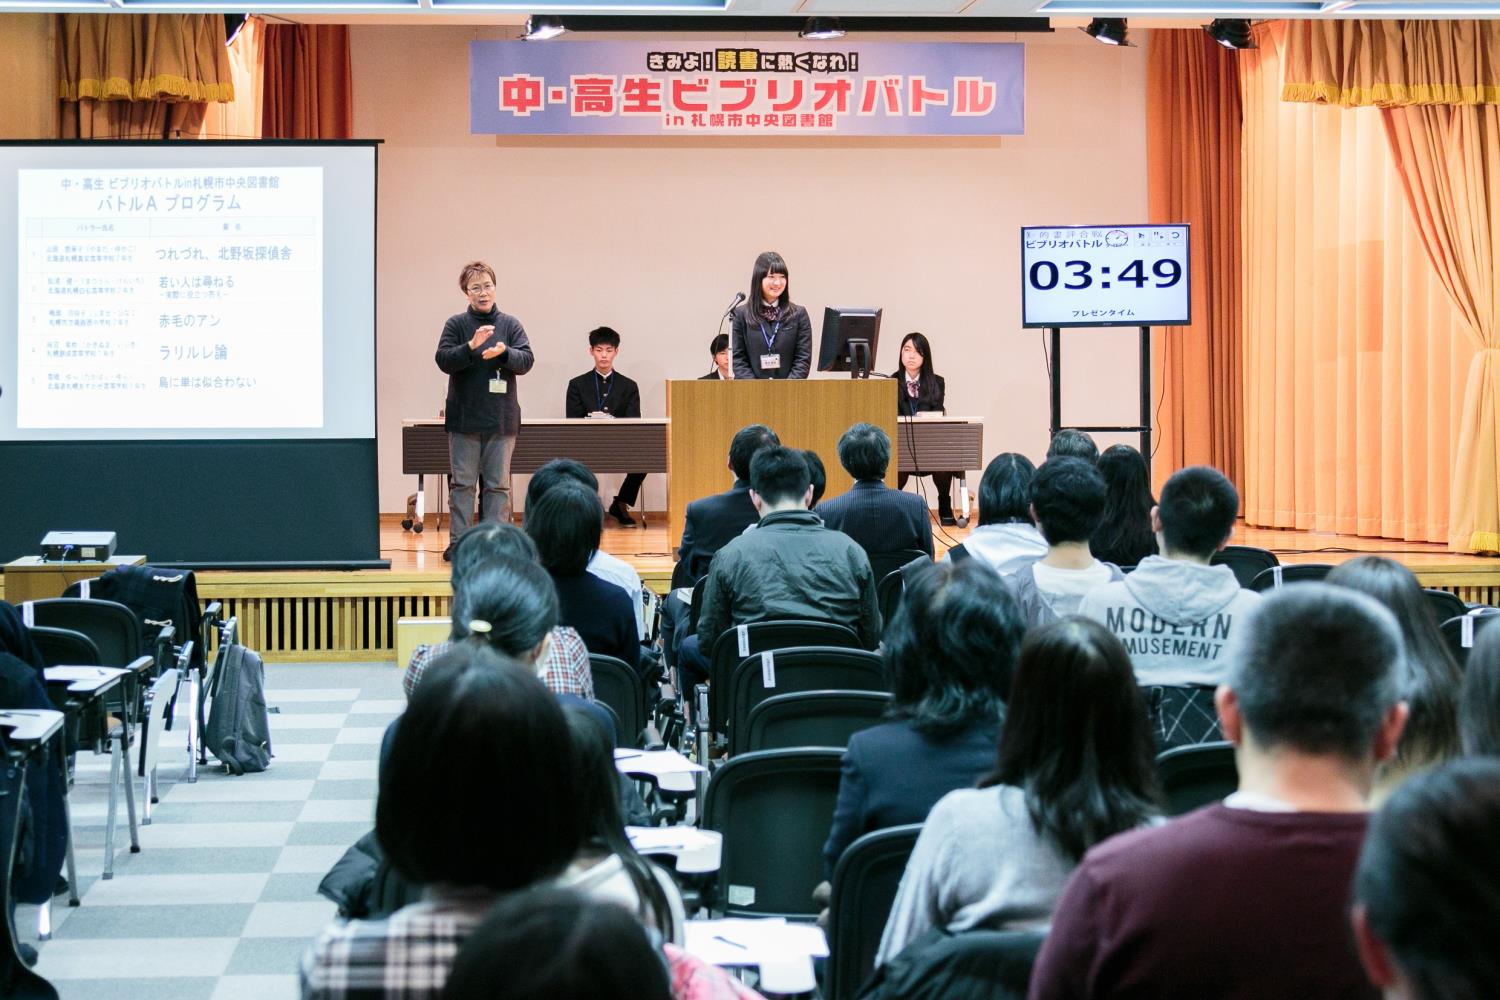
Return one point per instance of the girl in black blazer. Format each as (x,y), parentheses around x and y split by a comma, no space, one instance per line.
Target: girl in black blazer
(770,337)
(919,388)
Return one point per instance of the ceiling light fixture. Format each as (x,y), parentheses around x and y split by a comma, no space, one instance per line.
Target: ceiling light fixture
(540,27)
(821,28)
(1232,33)
(1109,30)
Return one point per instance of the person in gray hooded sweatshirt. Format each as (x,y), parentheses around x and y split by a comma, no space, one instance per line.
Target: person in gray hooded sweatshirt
(1176,613)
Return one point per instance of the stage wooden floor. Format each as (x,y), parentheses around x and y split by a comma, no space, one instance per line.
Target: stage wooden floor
(328,615)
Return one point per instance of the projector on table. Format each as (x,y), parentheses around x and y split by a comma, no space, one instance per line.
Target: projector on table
(78,546)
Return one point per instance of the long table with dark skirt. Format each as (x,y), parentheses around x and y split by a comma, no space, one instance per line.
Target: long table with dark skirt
(945,444)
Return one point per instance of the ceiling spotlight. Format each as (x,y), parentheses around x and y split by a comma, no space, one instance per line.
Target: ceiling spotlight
(233,24)
(1232,33)
(1109,30)
(540,27)
(818,28)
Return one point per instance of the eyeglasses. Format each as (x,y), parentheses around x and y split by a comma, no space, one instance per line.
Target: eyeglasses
(486,287)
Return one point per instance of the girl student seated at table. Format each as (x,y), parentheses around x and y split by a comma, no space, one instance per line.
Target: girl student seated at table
(770,337)
(920,389)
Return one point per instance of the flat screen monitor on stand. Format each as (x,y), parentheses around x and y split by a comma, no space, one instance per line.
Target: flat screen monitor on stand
(850,337)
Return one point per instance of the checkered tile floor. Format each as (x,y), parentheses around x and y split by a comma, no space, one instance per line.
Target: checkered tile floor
(222,899)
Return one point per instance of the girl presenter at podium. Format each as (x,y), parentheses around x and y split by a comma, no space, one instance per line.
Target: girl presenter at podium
(920,389)
(769,336)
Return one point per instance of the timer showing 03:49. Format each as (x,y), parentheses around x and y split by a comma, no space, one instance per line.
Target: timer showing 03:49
(1044,275)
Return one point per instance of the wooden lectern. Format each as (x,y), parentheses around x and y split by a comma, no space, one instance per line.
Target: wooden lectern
(703,416)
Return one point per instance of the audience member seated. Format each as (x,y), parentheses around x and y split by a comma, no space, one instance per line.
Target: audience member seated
(1176,613)
(1431,679)
(879,518)
(817,474)
(1427,890)
(1067,500)
(1479,703)
(1125,536)
(1070,443)
(16,640)
(566,525)
(950,653)
(1006,539)
(1075,765)
(549,943)
(475,713)
(1248,898)
(564,665)
(713,522)
(790,566)
(603,565)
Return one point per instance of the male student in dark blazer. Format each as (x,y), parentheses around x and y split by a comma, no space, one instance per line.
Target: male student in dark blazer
(879,518)
(603,392)
(718,349)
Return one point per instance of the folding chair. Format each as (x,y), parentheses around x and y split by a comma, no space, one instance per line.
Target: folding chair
(1279,575)
(623,692)
(1246,561)
(882,564)
(159,701)
(800,668)
(774,809)
(864,889)
(808,719)
(1445,604)
(64,647)
(1198,775)
(740,641)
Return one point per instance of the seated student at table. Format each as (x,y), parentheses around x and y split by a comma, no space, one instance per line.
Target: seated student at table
(920,389)
(718,349)
(604,392)
(770,337)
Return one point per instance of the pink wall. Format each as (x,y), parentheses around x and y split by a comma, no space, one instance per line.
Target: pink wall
(653,237)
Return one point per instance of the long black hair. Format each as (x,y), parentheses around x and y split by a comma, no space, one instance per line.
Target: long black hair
(1125,536)
(1431,680)
(1076,738)
(769,262)
(598,790)
(951,648)
(927,374)
(1428,880)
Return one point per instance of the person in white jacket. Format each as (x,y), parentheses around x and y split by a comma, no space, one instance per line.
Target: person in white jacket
(1176,613)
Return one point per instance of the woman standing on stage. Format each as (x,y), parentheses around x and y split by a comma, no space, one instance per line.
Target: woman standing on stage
(770,337)
(920,389)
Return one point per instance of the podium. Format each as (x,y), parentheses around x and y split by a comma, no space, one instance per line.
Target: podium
(704,415)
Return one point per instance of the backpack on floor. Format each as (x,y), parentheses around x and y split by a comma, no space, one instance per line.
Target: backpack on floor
(238,731)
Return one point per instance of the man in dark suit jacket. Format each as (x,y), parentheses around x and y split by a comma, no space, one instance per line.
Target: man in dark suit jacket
(880,519)
(604,392)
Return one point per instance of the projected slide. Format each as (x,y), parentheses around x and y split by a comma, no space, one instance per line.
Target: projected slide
(170,298)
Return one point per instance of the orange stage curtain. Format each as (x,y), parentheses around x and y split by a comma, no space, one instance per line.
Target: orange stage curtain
(1387,63)
(241,118)
(1354,355)
(1439,83)
(309,88)
(1193,170)
(139,75)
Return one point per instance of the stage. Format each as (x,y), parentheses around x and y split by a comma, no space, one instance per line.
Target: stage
(331,616)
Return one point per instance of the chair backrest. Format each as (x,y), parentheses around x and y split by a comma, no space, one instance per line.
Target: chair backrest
(864,888)
(1276,576)
(888,594)
(64,647)
(1246,561)
(739,641)
(695,605)
(994,964)
(774,809)
(795,669)
(1194,776)
(807,719)
(1445,604)
(621,689)
(1461,632)
(112,627)
(884,563)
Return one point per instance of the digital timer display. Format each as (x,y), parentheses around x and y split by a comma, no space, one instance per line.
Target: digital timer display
(1105,276)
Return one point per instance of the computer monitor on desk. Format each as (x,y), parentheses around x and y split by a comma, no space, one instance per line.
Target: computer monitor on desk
(850,337)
